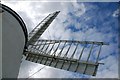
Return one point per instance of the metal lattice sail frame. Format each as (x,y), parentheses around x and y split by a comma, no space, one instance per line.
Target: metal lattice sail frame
(63,54)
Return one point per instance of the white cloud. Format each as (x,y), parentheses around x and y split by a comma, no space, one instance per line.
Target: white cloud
(110,69)
(116,13)
(33,12)
(78,9)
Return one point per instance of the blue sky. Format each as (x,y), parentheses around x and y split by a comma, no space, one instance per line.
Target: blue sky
(91,21)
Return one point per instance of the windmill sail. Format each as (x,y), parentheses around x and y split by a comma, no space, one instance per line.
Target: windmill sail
(62,54)
(75,56)
(41,27)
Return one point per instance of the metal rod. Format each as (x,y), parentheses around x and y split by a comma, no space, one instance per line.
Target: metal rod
(51,48)
(96,67)
(56,63)
(68,50)
(63,64)
(90,52)
(60,53)
(39,53)
(27,56)
(31,57)
(73,60)
(47,58)
(39,45)
(74,51)
(30,54)
(66,55)
(81,42)
(88,58)
(35,55)
(56,49)
(43,47)
(69,65)
(81,52)
(47,48)
(49,51)
(73,55)
(61,49)
(54,53)
(98,54)
(42,50)
(80,57)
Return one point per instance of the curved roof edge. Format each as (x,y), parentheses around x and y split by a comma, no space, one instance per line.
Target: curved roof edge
(12,12)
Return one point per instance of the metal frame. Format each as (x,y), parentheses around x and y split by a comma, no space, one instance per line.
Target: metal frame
(67,63)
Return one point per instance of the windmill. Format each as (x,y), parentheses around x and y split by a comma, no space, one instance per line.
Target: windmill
(58,54)
(75,56)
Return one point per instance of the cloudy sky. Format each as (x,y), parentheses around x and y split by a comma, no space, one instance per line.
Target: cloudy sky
(91,21)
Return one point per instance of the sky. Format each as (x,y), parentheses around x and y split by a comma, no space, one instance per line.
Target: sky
(90,21)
